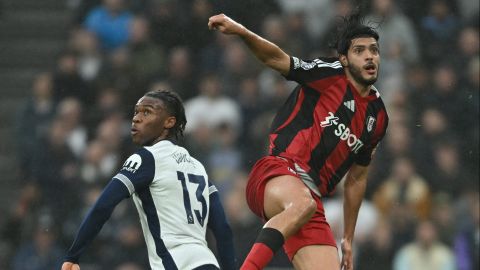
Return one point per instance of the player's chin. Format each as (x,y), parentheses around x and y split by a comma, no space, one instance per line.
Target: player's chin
(137,140)
(370,79)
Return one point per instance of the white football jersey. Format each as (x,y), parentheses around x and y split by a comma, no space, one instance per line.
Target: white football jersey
(171,193)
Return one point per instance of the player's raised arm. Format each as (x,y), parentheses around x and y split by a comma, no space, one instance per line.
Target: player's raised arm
(266,51)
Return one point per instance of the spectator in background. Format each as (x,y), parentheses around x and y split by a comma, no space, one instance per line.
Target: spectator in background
(129,250)
(447,174)
(317,14)
(251,106)
(438,31)
(117,73)
(467,240)
(98,163)
(398,143)
(224,159)
(211,107)
(147,59)
(447,95)
(404,188)
(377,251)
(43,253)
(17,221)
(432,127)
(469,11)
(443,217)
(196,33)
(55,170)
(468,44)
(242,220)
(108,102)
(181,72)
(419,92)
(33,120)
(250,11)
(470,146)
(110,22)
(67,81)
(90,59)
(236,65)
(167,24)
(425,253)
(70,112)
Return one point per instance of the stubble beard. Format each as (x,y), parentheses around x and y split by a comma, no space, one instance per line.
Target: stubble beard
(356,73)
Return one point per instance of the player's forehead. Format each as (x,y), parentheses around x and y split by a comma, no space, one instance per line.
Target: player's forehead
(147,101)
(363,42)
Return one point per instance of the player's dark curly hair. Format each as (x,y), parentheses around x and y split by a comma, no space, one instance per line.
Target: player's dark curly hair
(174,106)
(349,28)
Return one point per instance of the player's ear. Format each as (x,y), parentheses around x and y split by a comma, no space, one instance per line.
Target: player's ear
(170,122)
(343,60)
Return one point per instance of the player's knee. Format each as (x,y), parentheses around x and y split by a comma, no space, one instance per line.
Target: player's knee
(305,208)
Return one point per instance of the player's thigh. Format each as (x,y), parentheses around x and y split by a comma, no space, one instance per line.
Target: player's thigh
(317,257)
(282,191)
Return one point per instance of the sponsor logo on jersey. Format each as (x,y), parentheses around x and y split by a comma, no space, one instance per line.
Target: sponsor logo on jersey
(343,132)
(331,119)
(133,163)
(370,123)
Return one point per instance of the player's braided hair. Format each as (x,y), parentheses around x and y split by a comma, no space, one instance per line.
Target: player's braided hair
(174,106)
(349,28)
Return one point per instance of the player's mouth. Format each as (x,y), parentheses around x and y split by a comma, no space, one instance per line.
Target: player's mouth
(133,131)
(370,68)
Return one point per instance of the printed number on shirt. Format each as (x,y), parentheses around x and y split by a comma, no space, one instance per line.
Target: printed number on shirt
(200,181)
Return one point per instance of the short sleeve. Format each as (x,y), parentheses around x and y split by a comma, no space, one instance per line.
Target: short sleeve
(365,156)
(304,71)
(211,188)
(138,171)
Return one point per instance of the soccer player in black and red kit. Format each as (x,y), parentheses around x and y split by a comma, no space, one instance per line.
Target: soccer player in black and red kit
(329,126)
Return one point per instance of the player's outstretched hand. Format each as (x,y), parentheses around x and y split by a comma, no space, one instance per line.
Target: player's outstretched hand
(70,266)
(225,24)
(347,257)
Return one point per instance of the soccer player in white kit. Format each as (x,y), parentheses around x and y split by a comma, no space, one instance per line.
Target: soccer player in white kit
(171,191)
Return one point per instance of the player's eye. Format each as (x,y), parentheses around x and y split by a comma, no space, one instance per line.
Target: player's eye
(374,50)
(146,113)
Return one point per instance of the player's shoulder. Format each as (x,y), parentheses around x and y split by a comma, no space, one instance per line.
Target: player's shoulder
(142,159)
(319,62)
(378,97)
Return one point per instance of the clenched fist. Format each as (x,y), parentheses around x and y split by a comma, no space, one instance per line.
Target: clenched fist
(225,24)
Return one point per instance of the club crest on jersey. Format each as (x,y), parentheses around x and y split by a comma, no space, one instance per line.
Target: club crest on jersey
(133,163)
(370,123)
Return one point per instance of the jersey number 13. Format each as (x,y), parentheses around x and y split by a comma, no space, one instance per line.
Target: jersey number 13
(200,181)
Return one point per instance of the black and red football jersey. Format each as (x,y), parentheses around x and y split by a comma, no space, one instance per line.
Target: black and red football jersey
(326,125)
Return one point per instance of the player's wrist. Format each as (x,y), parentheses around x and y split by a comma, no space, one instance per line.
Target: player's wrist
(346,239)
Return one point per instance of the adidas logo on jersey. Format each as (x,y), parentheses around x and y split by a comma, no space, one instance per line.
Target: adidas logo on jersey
(350,104)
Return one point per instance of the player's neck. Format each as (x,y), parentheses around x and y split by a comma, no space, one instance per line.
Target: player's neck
(362,89)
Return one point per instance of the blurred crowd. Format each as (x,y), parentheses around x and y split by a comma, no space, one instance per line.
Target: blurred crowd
(421,210)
